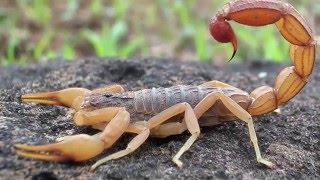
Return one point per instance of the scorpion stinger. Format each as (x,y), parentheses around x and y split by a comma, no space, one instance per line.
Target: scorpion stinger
(221,31)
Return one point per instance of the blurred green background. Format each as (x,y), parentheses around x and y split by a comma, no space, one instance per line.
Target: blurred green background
(38,30)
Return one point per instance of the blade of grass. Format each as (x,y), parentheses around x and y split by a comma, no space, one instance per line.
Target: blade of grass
(11,50)
(68,52)
(129,49)
(42,45)
(201,43)
(94,40)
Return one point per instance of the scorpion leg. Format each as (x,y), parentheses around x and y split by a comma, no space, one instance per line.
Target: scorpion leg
(161,131)
(98,119)
(143,130)
(239,112)
(91,146)
(216,83)
(175,128)
(143,133)
(190,120)
(96,116)
(168,129)
(109,89)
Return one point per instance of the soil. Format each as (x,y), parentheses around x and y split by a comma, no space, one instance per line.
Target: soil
(290,139)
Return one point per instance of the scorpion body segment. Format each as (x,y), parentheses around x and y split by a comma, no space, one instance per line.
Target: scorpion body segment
(169,111)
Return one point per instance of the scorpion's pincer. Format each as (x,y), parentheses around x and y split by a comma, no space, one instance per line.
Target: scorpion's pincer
(71,97)
(70,148)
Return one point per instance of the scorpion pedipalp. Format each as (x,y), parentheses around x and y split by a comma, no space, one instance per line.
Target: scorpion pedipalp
(71,97)
(67,149)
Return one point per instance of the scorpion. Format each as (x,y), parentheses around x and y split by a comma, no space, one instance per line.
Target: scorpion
(163,112)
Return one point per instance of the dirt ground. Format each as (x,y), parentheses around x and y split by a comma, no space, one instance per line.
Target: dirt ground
(290,139)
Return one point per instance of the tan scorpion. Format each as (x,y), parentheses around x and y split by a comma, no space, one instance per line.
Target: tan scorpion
(157,111)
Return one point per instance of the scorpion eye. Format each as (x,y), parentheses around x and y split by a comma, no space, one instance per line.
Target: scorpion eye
(108,95)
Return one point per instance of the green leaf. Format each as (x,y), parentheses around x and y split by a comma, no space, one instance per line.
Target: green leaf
(68,52)
(94,40)
(201,44)
(131,47)
(118,31)
(42,45)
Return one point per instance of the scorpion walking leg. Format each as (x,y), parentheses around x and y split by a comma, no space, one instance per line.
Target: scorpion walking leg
(90,146)
(109,89)
(162,131)
(143,133)
(190,120)
(216,83)
(98,118)
(239,112)
(95,116)
(169,129)
(142,128)
(175,128)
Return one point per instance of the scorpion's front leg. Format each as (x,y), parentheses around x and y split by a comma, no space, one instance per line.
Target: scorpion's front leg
(80,147)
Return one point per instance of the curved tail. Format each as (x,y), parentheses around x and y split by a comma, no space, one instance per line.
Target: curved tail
(293,28)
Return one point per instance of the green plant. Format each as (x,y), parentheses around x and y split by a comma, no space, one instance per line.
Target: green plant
(10,54)
(108,42)
(43,45)
(204,48)
(37,11)
(68,52)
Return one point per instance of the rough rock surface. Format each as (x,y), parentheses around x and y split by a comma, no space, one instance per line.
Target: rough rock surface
(290,139)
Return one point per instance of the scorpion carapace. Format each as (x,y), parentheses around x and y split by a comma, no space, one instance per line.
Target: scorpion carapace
(169,111)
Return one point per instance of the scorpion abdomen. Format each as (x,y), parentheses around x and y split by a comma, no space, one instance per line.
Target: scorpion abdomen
(149,102)
(155,100)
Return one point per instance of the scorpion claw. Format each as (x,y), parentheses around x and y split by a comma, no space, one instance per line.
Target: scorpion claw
(68,149)
(42,156)
(71,97)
